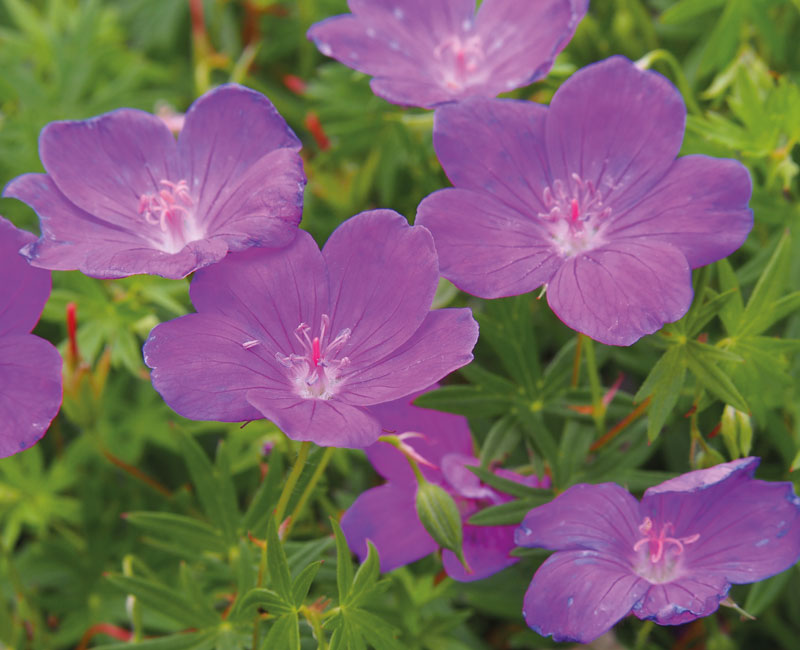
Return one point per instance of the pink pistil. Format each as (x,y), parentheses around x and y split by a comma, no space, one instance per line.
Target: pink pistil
(316,371)
(659,542)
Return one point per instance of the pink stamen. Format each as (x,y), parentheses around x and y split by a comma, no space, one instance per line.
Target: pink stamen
(659,542)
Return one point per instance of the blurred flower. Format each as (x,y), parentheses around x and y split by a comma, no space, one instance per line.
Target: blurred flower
(309,338)
(587,198)
(428,52)
(30,373)
(387,514)
(671,558)
(121,196)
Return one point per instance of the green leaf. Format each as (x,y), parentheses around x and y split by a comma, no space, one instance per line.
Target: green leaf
(731,312)
(303,583)
(375,630)
(712,378)
(204,640)
(502,438)
(699,318)
(277,566)
(440,516)
(284,634)
(768,288)
(686,10)
(507,325)
(344,564)
(471,401)
(266,497)
(209,484)
(663,385)
(182,530)
(509,513)
(763,594)
(505,485)
(366,578)
(168,602)
(260,597)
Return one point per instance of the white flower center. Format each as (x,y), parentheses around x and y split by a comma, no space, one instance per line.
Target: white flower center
(171,210)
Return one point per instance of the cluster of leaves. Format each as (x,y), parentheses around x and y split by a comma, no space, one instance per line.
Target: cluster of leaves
(198,560)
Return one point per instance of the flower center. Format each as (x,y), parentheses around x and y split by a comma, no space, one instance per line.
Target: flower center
(170,210)
(663,550)
(315,373)
(459,60)
(575,215)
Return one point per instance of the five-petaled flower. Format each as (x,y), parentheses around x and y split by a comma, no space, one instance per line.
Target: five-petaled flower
(429,52)
(587,198)
(121,196)
(30,371)
(387,514)
(671,558)
(309,338)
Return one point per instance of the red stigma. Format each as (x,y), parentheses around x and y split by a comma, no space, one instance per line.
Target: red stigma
(315,353)
(72,329)
(315,128)
(575,210)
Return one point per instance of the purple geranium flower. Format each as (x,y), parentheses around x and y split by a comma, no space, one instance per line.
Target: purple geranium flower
(427,52)
(587,198)
(121,196)
(308,339)
(387,514)
(671,558)
(30,371)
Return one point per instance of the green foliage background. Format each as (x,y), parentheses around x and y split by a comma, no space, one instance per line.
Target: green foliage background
(127,522)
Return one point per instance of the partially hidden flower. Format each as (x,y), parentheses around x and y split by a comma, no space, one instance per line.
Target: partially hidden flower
(587,198)
(122,196)
(671,558)
(30,371)
(310,338)
(429,52)
(387,514)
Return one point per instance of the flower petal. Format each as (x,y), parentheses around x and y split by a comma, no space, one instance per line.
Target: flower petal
(21,300)
(375,45)
(410,91)
(105,164)
(700,207)
(442,344)
(383,275)
(203,371)
(73,239)
(515,61)
(265,207)
(495,146)
(682,600)
(622,291)
(387,515)
(328,423)
(487,550)
(441,433)
(749,529)
(603,517)
(270,291)
(627,140)
(227,131)
(30,390)
(485,247)
(578,595)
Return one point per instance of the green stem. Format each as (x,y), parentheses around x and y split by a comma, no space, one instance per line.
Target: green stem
(667,57)
(642,635)
(291,481)
(280,510)
(598,408)
(318,472)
